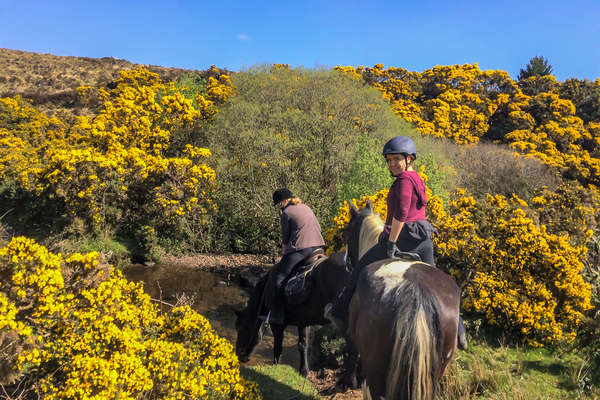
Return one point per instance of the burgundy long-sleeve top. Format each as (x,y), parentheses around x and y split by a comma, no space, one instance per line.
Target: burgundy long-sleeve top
(406,199)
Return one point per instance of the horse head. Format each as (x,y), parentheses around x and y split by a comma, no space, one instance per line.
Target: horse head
(248,325)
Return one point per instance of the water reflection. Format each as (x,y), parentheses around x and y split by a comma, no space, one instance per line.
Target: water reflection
(214,296)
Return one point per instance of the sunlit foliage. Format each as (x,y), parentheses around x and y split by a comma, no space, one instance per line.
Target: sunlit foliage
(93,334)
(536,116)
(131,164)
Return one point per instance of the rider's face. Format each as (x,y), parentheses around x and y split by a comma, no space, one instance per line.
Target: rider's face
(281,205)
(397,163)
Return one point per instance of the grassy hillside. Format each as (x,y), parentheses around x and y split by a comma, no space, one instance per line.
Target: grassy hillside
(51,81)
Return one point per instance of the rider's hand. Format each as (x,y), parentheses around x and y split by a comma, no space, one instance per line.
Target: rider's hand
(383,237)
(391,249)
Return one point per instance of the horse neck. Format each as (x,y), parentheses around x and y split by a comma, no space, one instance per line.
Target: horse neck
(332,272)
(256,297)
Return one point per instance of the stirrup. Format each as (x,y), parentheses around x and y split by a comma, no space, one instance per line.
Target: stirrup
(264,317)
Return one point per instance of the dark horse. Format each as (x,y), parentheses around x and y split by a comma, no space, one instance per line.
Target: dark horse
(403,318)
(329,278)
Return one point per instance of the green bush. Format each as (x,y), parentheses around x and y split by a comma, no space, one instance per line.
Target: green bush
(328,348)
(297,128)
(367,172)
(491,168)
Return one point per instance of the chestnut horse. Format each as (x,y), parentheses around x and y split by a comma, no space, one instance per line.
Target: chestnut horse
(329,278)
(402,319)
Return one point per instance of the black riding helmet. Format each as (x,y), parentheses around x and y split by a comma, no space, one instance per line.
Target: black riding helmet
(281,194)
(400,145)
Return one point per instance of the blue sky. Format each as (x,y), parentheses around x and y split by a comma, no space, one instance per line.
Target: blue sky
(238,34)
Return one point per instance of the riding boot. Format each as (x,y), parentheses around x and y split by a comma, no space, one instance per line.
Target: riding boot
(462,334)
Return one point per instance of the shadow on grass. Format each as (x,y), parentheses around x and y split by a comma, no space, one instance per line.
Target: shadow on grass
(567,379)
(546,368)
(280,383)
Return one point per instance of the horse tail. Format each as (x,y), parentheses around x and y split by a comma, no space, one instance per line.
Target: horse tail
(415,357)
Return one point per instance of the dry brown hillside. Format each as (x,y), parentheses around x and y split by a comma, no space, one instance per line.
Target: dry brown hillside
(51,81)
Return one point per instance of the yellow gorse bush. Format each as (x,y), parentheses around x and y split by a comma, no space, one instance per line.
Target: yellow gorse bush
(518,274)
(523,277)
(128,156)
(104,338)
(446,101)
(465,104)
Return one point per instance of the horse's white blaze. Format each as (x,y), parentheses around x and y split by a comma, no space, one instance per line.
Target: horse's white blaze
(392,274)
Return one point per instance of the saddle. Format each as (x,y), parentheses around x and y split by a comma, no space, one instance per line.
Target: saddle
(298,287)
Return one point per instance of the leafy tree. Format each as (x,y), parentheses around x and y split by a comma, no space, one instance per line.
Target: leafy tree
(537,66)
(296,128)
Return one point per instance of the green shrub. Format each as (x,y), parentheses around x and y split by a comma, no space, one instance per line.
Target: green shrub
(295,128)
(491,168)
(367,172)
(328,348)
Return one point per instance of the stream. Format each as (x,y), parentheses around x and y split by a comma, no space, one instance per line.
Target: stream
(215,297)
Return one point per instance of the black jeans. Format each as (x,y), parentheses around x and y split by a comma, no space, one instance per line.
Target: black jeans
(281,271)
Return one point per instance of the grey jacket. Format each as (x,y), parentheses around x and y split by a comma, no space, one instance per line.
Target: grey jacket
(300,228)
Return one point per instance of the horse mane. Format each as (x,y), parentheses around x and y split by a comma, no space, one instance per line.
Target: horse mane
(370,230)
(254,303)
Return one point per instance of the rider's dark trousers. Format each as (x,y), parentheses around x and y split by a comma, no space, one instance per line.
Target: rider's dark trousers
(280,272)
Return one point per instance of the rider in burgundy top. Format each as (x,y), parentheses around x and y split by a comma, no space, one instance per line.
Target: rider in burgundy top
(406,198)
(406,228)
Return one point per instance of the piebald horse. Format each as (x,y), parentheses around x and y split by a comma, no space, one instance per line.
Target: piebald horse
(403,318)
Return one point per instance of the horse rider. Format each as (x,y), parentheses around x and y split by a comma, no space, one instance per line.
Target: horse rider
(406,228)
(300,237)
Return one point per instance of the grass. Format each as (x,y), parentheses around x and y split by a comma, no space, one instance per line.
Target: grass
(115,251)
(280,382)
(499,372)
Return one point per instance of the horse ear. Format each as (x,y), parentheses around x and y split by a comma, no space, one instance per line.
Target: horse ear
(370,205)
(353,209)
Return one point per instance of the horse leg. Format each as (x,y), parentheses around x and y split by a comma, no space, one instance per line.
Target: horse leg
(349,378)
(277,331)
(303,332)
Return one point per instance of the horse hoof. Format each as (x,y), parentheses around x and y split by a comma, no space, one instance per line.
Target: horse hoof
(462,342)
